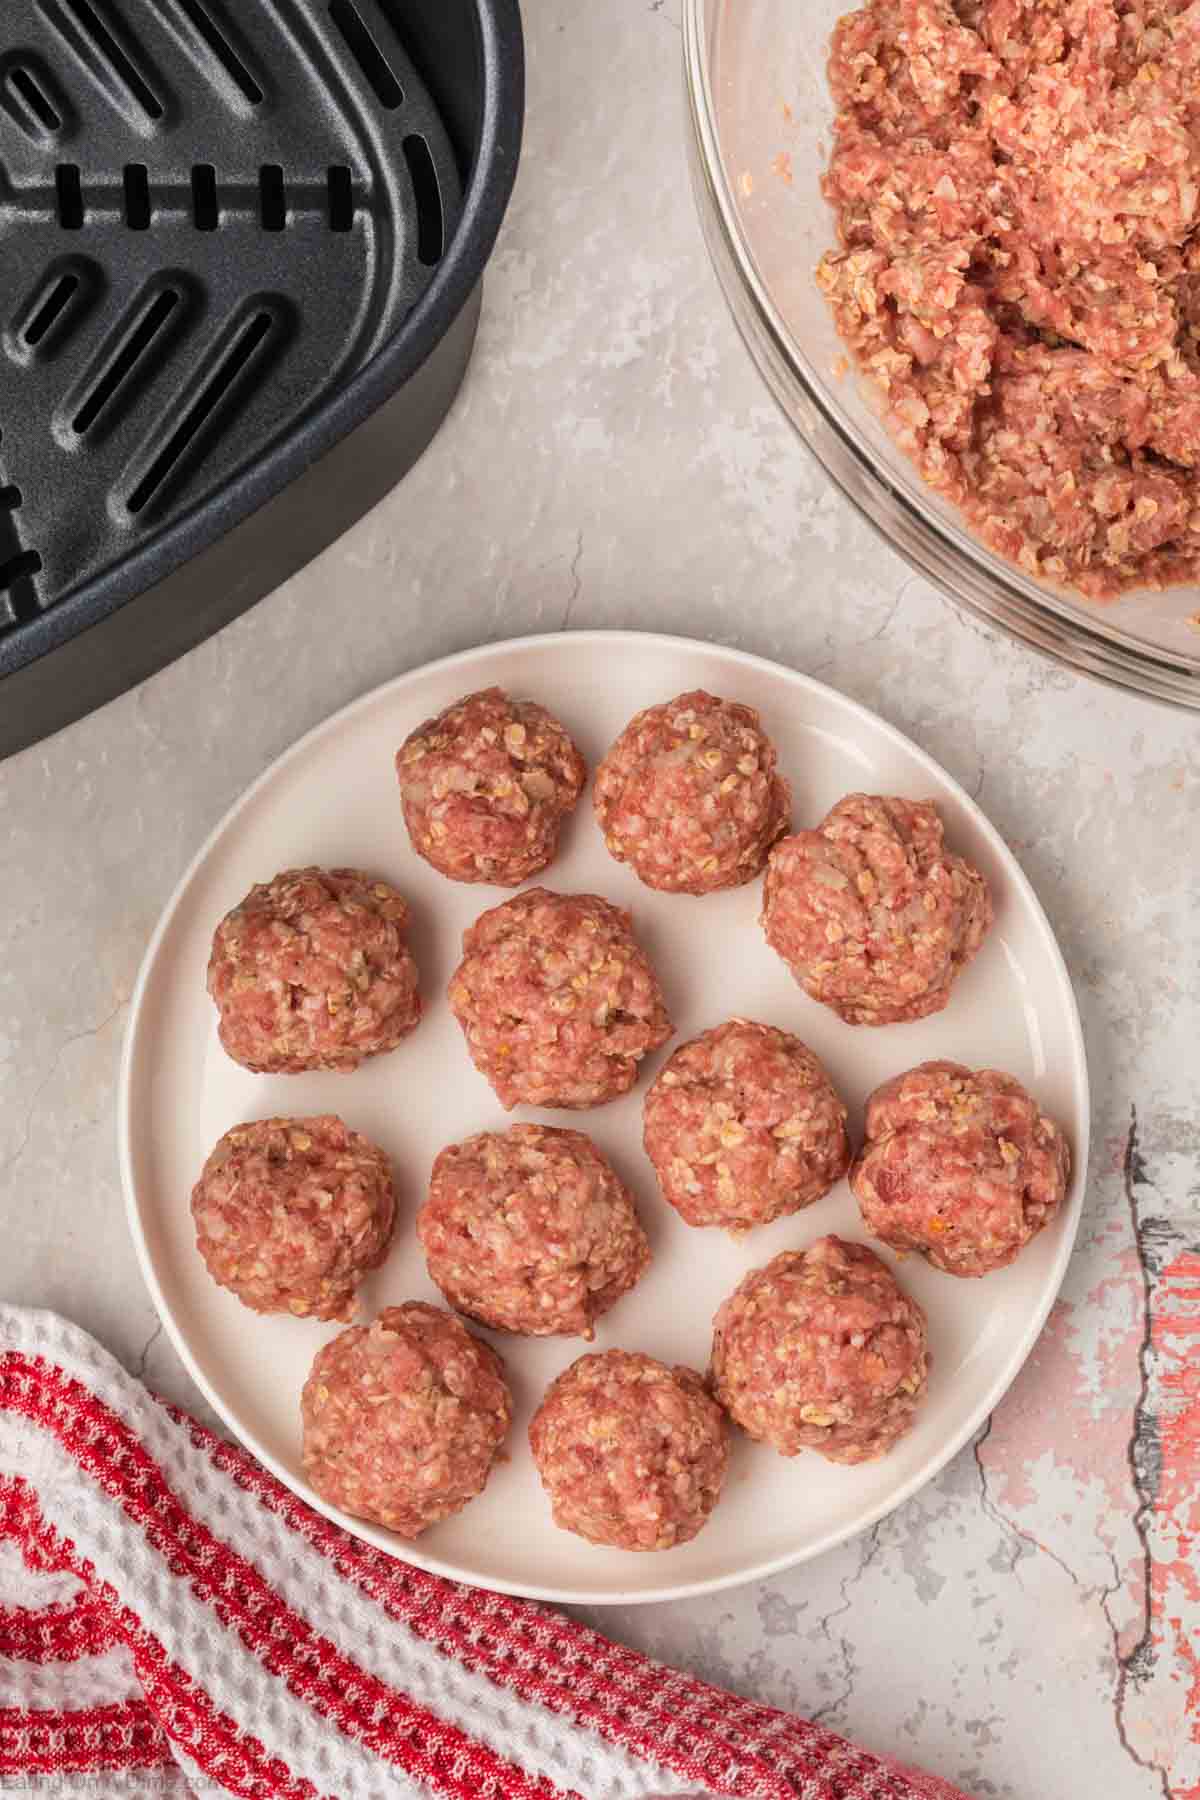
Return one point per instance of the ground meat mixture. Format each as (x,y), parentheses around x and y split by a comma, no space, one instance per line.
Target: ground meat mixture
(404,1421)
(530,1230)
(558,1003)
(290,1215)
(821,1350)
(689,798)
(874,916)
(743,1125)
(312,971)
(1016,184)
(486,787)
(960,1166)
(632,1454)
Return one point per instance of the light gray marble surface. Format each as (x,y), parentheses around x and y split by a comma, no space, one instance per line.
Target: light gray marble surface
(1030,1625)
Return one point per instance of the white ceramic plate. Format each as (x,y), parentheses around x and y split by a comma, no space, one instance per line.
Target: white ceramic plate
(333,800)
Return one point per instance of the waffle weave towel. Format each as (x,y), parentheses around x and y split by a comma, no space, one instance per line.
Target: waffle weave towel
(172,1621)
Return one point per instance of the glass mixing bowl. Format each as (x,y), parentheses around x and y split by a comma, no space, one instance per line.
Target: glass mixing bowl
(761,115)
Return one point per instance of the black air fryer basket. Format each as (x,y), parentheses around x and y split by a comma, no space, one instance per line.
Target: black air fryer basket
(241,246)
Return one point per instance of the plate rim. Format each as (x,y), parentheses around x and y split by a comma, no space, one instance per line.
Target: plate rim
(540,643)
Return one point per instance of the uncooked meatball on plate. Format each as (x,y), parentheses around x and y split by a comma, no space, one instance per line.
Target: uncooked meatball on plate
(743,1125)
(557,1001)
(689,796)
(312,971)
(486,787)
(531,1230)
(963,1167)
(821,1350)
(291,1214)
(874,916)
(632,1454)
(403,1421)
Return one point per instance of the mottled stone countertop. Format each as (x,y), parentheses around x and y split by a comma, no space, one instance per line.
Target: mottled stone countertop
(1029,1626)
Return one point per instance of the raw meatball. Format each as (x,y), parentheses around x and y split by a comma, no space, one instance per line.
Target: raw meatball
(631,1453)
(743,1125)
(689,798)
(821,1350)
(404,1420)
(874,916)
(557,1001)
(486,787)
(530,1230)
(960,1166)
(290,1215)
(311,971)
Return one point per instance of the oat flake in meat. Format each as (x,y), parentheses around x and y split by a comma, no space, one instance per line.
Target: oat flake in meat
(403,1421)
(688,795)
(486,787)
(291,1214)
(632,1454)
(556,1000)
(1017,192)
(872,913)
(531,1230)
(744,1125)
(821,1350)
(312,971)
(959,1165)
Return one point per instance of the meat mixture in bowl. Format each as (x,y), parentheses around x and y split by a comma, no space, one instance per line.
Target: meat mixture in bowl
(1017,191)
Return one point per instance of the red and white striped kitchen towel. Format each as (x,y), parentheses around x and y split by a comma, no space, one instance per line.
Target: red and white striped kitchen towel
(172,1620)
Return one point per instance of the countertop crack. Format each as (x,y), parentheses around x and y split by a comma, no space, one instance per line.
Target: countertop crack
(889,617)
(871,1548)
(1022,1539)
(576,582)
(80,1037)
(140,1366)
(1135,1665)
(1145,1466)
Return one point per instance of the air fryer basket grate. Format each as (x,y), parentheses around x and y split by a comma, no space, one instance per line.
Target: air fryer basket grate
(209,218)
